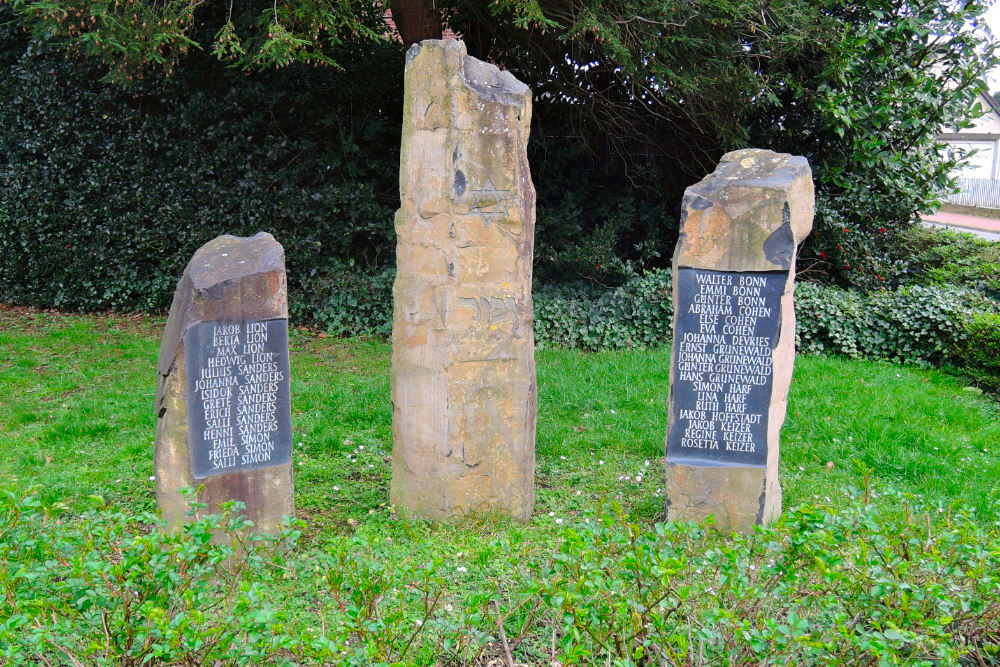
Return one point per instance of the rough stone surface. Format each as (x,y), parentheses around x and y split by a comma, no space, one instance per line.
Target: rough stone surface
(748,216)
(233,279)
(463,369)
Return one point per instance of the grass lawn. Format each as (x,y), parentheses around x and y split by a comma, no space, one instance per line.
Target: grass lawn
(77,419)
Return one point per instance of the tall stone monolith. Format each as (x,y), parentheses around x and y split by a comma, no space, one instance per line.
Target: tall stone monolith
(223,415)
(734,337)
(463,368)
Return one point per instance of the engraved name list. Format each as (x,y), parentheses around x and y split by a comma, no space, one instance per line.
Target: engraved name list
(239,412)
(726,329)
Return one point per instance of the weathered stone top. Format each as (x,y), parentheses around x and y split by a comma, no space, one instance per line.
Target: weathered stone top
(226,258)
(210,289)
(756,167)
(486,79)
(750,214)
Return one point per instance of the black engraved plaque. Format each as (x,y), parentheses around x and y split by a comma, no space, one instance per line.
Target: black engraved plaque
(726,328)
(238,403)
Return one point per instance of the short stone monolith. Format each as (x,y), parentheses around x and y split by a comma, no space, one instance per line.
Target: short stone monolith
(734,337)
(222,395)
(463,368)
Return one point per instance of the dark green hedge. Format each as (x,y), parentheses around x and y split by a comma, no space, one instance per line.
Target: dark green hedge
(106,194)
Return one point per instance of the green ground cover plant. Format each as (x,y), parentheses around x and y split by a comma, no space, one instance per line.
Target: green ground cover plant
(922,322)
(825,584)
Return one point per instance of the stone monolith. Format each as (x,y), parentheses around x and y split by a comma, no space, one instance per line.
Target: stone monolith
(463,369)
(734,337)
(222,395)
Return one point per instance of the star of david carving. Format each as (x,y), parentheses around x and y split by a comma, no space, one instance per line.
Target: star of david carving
(498,198)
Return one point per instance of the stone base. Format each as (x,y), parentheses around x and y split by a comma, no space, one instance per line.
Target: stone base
(739,497)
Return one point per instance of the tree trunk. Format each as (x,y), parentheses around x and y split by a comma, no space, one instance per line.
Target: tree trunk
(416,20)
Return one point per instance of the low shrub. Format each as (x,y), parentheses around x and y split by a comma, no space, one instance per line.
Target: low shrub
(112,589)
(978,352)
(579,315)
(820,586)
(943,257)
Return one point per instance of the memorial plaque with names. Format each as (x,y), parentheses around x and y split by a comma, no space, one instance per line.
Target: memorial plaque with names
(239,409)
(734,338)
(726,330)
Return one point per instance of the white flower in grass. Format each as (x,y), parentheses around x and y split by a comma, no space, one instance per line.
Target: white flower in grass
(461,568)
(559,520)
(600,462)
(638,478)
(418,622)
